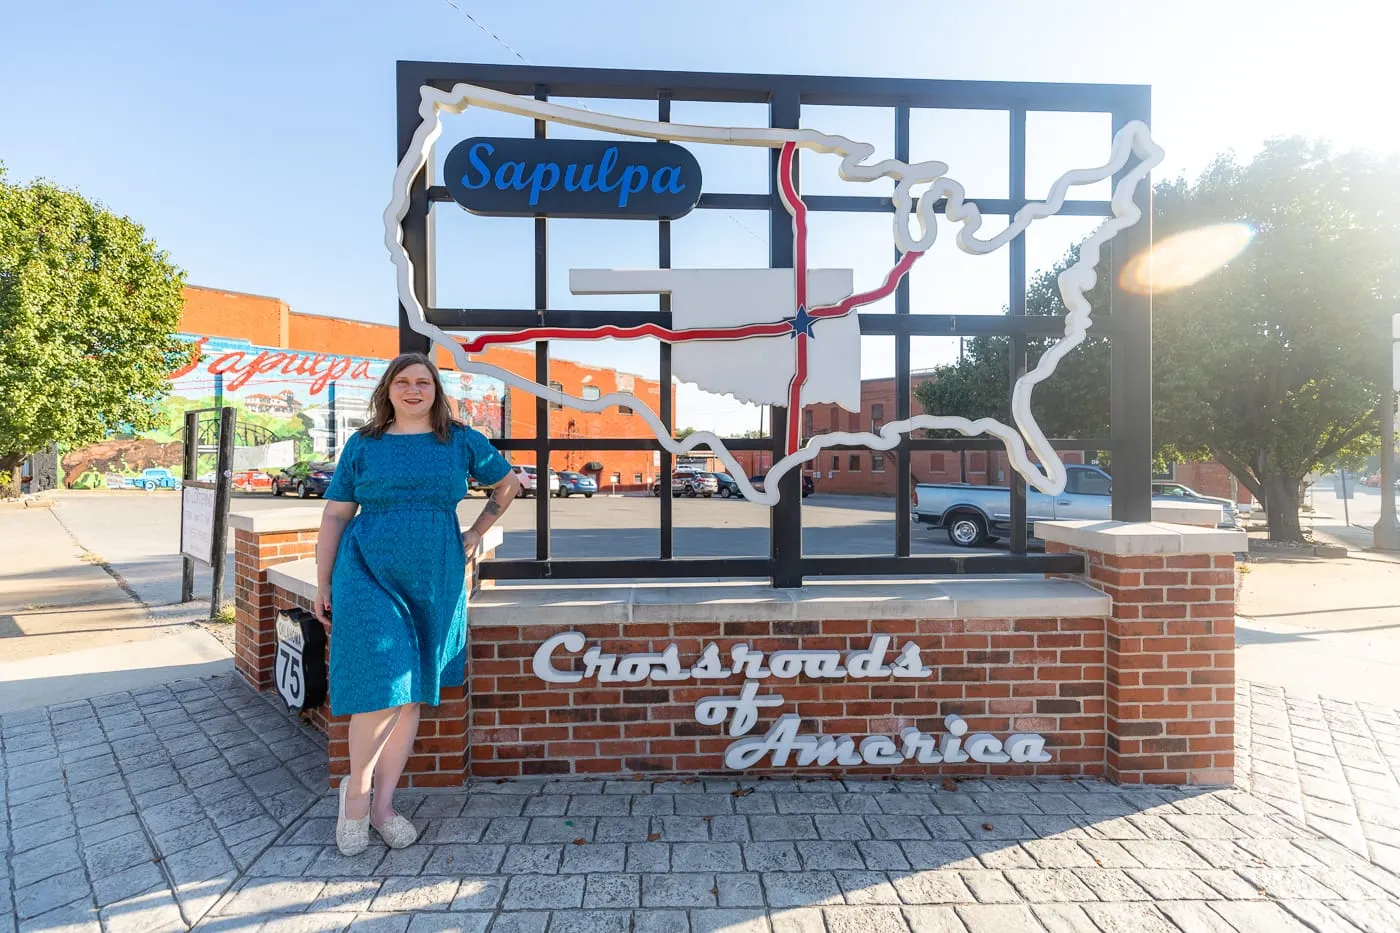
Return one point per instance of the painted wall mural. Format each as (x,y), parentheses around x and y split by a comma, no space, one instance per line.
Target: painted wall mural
(313,400)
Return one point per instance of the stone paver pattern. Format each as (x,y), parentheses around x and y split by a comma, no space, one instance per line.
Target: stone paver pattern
(1333,764)
(201,805)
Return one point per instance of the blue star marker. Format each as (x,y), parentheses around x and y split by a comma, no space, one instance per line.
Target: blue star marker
(802,323)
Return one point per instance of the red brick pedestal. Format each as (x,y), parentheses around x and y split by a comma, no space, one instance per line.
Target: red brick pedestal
(262,540)
(1126,672)
(1170,649)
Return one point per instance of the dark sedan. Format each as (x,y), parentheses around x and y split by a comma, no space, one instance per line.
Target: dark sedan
(808,485)
(728,486)
(306,478)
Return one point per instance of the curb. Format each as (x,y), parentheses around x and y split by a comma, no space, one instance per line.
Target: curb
(28,502)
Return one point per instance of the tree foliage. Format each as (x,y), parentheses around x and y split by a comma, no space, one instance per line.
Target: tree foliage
(87,307)
(1274,364)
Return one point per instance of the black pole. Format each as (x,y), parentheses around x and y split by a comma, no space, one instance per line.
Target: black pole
(1130,393)
(416,241)
(663,249)
(1019,544)
(334,427)
(784,111)
(903,483)
(191,464)
(223,478)
(541,370)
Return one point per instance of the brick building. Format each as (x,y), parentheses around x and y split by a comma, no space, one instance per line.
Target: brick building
(270,322)
(872,473)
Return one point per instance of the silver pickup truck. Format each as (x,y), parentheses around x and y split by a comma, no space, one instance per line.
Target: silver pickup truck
(977,515)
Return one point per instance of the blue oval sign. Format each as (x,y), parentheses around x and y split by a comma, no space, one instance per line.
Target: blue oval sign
(511,177)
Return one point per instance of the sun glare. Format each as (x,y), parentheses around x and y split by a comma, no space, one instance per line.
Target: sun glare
(1185,258)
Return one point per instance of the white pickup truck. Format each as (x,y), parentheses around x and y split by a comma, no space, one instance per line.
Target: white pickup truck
(977,515)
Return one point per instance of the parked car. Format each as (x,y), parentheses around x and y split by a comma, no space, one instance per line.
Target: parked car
(809,485)
(252,480)
(1172,490)
(306,478)
(526,475)
(728,485)
(153,478)
(689,484)
(977,515)
(571,483)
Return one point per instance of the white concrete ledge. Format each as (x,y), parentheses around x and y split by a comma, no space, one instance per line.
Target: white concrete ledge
(299,576)
(274,521)
(729,602)
(1205,514)
(1142,538)
(758,602)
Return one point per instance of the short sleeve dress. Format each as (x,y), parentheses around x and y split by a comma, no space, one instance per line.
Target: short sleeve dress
(398,590)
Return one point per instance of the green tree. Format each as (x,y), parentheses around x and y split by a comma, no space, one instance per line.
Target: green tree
(87,307)
(1275,364)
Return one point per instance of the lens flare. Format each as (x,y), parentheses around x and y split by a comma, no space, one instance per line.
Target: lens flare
(1185,258)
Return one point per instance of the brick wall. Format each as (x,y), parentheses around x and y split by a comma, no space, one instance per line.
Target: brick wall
(1002,676)
(1170,665)
(255,608)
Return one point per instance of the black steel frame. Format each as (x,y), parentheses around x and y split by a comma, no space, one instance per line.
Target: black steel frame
(1128,324)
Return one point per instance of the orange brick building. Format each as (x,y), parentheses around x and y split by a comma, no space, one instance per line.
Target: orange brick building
(871,473)
(270,322)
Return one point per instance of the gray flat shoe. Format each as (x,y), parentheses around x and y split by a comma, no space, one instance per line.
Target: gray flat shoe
(398,833)
(351,836)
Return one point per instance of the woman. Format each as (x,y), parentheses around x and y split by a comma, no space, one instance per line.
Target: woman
(395,574)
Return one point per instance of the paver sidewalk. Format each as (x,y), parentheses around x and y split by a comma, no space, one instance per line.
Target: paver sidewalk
(202,805)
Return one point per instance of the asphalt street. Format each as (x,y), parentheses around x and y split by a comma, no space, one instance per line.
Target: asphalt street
(137,533)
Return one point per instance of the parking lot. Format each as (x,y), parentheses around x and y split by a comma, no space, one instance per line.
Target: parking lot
(137,532)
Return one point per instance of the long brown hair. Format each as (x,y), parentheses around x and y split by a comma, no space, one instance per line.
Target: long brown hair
(381,409)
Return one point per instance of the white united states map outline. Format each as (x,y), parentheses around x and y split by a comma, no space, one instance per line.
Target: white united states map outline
(1132,140)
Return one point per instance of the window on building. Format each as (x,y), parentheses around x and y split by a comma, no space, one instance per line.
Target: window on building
(623,410)
(877,463)
(807,422)
(637,478)
(558,387)
(616,478)
(877,417)
(853,463)
(835,462)
(590,393)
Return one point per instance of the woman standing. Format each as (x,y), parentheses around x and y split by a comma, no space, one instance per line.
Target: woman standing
(395,574)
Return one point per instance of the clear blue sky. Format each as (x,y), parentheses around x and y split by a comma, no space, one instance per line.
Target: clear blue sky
(255,139)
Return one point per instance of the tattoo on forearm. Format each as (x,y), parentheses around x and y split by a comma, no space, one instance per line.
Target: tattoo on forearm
(492,507)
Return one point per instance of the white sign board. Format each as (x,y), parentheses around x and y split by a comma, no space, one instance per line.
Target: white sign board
(1395,360)
(784,741)
(197,524)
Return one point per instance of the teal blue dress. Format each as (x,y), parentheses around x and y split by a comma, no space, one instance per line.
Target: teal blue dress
(398,590)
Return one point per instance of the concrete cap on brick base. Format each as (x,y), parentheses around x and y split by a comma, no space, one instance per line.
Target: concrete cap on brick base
(1142,538)
(298,577)
(277,521)
(556,604)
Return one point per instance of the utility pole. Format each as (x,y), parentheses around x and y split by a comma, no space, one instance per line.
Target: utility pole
(1387,530)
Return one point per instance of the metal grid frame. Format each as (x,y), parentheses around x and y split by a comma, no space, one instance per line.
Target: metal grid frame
(1128,324)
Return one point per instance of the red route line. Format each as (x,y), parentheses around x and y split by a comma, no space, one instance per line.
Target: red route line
(798,208)
(846,305)
(774,329)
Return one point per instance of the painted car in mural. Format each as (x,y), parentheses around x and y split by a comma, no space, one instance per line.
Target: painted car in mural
(292,405)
